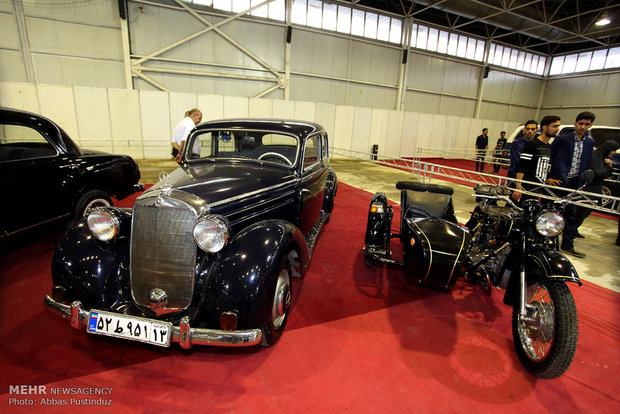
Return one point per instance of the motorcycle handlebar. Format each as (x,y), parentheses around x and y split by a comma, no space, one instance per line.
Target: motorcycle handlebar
(499,197)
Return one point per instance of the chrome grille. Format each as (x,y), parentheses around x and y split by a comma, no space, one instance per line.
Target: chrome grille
(163,251)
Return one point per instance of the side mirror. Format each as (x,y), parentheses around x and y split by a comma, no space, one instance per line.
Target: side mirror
(587,177)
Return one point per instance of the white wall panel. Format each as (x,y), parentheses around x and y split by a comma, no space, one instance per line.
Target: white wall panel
(19,96)
(305,111)
(450,132)
(463,137)
(260,108)
(155,117)
(125,116)
(344,126)
(283,109)
(326,116)
(362,121)
(64,70)
(12,66)
(50,36)
(211,106)
(394,134)
(236,107)
(437,131)
(422,102)
(10,35)
(57,103)
(411,126)
(378,129)
(93,118)
(425,130)
(103,13)
(456,106)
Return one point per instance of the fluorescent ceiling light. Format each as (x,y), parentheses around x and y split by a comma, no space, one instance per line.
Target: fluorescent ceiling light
(603,21)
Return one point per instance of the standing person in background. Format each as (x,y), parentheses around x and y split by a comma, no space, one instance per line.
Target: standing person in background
(181,131)
(534,163)
(600,164)
(529,130)
(498,151)
(570,156)
(481,147)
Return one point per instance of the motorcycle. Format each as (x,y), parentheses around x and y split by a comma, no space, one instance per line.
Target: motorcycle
(502,245)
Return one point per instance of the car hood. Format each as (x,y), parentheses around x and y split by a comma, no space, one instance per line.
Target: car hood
(221,180)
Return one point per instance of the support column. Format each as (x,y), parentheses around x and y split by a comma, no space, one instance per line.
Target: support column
(287,50)
(122,6)
(484,73)
(20,19)
(402,75)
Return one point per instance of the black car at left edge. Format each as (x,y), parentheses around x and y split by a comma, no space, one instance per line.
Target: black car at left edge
(206,256)
(45,176)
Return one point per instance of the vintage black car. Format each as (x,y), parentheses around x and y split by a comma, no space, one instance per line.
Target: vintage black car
(206,255)
(45,176)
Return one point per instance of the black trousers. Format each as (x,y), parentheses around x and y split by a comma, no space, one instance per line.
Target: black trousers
(570,218)
(480,160)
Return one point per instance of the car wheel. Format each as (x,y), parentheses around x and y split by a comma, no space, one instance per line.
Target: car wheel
(606,192)
(280,305)
(91,200)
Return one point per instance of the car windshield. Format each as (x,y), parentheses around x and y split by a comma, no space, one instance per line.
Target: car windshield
(267,146)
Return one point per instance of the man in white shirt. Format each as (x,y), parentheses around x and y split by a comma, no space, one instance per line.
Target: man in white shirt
(181,131)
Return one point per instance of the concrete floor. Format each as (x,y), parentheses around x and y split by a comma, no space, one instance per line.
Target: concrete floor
(601,266)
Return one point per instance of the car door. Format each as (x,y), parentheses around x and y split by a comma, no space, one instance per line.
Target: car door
(314,178)
(32,171)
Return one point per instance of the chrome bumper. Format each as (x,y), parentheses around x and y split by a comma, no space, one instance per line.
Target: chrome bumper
(185,335)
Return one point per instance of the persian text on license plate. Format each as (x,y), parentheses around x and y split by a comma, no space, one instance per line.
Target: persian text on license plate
(129,327)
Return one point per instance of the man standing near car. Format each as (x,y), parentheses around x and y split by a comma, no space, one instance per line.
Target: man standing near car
(498,151)
(529,130)
(570,156)
(481,147)
(534,162)
(181,131)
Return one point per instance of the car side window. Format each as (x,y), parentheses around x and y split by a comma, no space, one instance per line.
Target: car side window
(311,152)
(324,147)
(18,142)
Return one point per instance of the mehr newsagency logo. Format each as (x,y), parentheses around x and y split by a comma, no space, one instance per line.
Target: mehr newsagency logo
(43,395)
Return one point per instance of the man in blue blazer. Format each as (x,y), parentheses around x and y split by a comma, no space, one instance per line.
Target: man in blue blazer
(570,156)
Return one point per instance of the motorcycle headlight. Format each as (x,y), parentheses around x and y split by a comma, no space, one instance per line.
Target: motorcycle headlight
(211,233)
(550,224)
(103,224)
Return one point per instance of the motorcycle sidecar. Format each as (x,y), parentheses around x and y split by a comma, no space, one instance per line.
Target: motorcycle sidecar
(434,244)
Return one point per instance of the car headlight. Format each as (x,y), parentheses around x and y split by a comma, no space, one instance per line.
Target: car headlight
(211,233)
(550,224)
(103,224)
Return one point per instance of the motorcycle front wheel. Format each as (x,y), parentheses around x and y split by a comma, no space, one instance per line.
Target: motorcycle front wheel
(546,340)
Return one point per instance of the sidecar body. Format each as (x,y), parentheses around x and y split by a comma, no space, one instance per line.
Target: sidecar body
(434,244)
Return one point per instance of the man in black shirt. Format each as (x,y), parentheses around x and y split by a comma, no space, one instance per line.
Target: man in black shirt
(482,145)
(534,164)
(498,151)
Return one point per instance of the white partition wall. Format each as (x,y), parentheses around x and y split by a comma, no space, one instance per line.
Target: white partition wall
(140,123)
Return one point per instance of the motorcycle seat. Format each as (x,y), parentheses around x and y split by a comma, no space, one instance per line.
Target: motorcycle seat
(425,204)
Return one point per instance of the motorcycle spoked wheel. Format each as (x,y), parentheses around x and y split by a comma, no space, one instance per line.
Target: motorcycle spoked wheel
(546,346)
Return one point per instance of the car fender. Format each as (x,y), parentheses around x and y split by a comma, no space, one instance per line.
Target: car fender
(331,187)
(240,280)
(96,272)
(551,265)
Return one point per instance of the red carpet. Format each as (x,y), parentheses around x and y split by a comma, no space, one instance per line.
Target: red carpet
(358,340)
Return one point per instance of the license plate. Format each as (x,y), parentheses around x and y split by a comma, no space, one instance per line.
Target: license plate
(129,327)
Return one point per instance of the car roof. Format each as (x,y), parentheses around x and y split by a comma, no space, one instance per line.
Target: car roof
(298,128)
